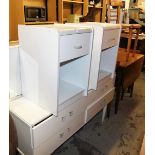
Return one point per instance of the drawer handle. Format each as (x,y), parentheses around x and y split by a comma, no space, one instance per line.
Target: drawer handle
(61,135)
(71,113)
(78,47)
(68,129)
(63,118)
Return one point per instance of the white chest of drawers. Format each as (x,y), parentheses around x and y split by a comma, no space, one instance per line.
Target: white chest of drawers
(59,68)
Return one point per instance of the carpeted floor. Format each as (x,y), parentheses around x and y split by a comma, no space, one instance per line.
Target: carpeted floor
(122,134)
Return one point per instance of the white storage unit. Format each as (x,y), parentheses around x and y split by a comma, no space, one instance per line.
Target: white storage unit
(55,63)
(105,48)
(64,76)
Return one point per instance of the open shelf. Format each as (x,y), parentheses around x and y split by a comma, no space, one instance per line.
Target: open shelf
(103,74)
(76,2)
(67,91)
(97,7)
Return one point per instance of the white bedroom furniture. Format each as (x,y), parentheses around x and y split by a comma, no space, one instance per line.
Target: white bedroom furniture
(62,76)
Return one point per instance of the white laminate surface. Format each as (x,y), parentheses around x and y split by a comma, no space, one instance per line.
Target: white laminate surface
(67,91)
(27,111)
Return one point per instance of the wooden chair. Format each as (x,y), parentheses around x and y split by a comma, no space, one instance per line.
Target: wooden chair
(118,9)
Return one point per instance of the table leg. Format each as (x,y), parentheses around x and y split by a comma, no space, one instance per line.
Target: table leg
(118,87)
(109,109)
(131,90)
(122,94)
(104,113)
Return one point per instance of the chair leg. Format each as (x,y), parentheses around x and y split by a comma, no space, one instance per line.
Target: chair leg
(122,94)
(131,90)
(118,91)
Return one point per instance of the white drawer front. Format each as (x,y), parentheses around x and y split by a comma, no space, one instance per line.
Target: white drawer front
(61,134)
(94,108)
(73,46)
(52,125)
(110,38)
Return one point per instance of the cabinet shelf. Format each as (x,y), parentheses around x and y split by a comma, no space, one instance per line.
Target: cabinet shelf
(97,7)
(67,91)
(67,7)
(75,2)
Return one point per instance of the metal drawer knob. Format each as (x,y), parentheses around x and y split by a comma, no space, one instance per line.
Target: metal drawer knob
(61,135)
(68,129)
(63,118)
(71,113)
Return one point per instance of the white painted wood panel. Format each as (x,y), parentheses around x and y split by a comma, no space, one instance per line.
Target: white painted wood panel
(77,72)
(73,46)
(24,134)
(110,38)
(40,66)
(14,72)
(67,91)
(108,60)
(27,111)
(59,133)
(54,141)
(97,105)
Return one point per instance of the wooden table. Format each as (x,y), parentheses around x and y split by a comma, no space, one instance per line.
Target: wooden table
(126,73)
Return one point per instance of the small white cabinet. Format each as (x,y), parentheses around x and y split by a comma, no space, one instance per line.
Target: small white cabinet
(55,63)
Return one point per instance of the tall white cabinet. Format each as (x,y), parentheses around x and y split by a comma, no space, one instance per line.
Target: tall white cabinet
(63,75)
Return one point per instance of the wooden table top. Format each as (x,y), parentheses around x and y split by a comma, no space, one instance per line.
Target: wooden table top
(121,58)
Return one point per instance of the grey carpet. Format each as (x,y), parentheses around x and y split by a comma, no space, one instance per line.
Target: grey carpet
(122,134)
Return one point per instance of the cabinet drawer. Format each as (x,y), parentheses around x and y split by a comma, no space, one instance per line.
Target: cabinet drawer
(95,107)
(52,125)
(110,38)
(73,46)
(61,134)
